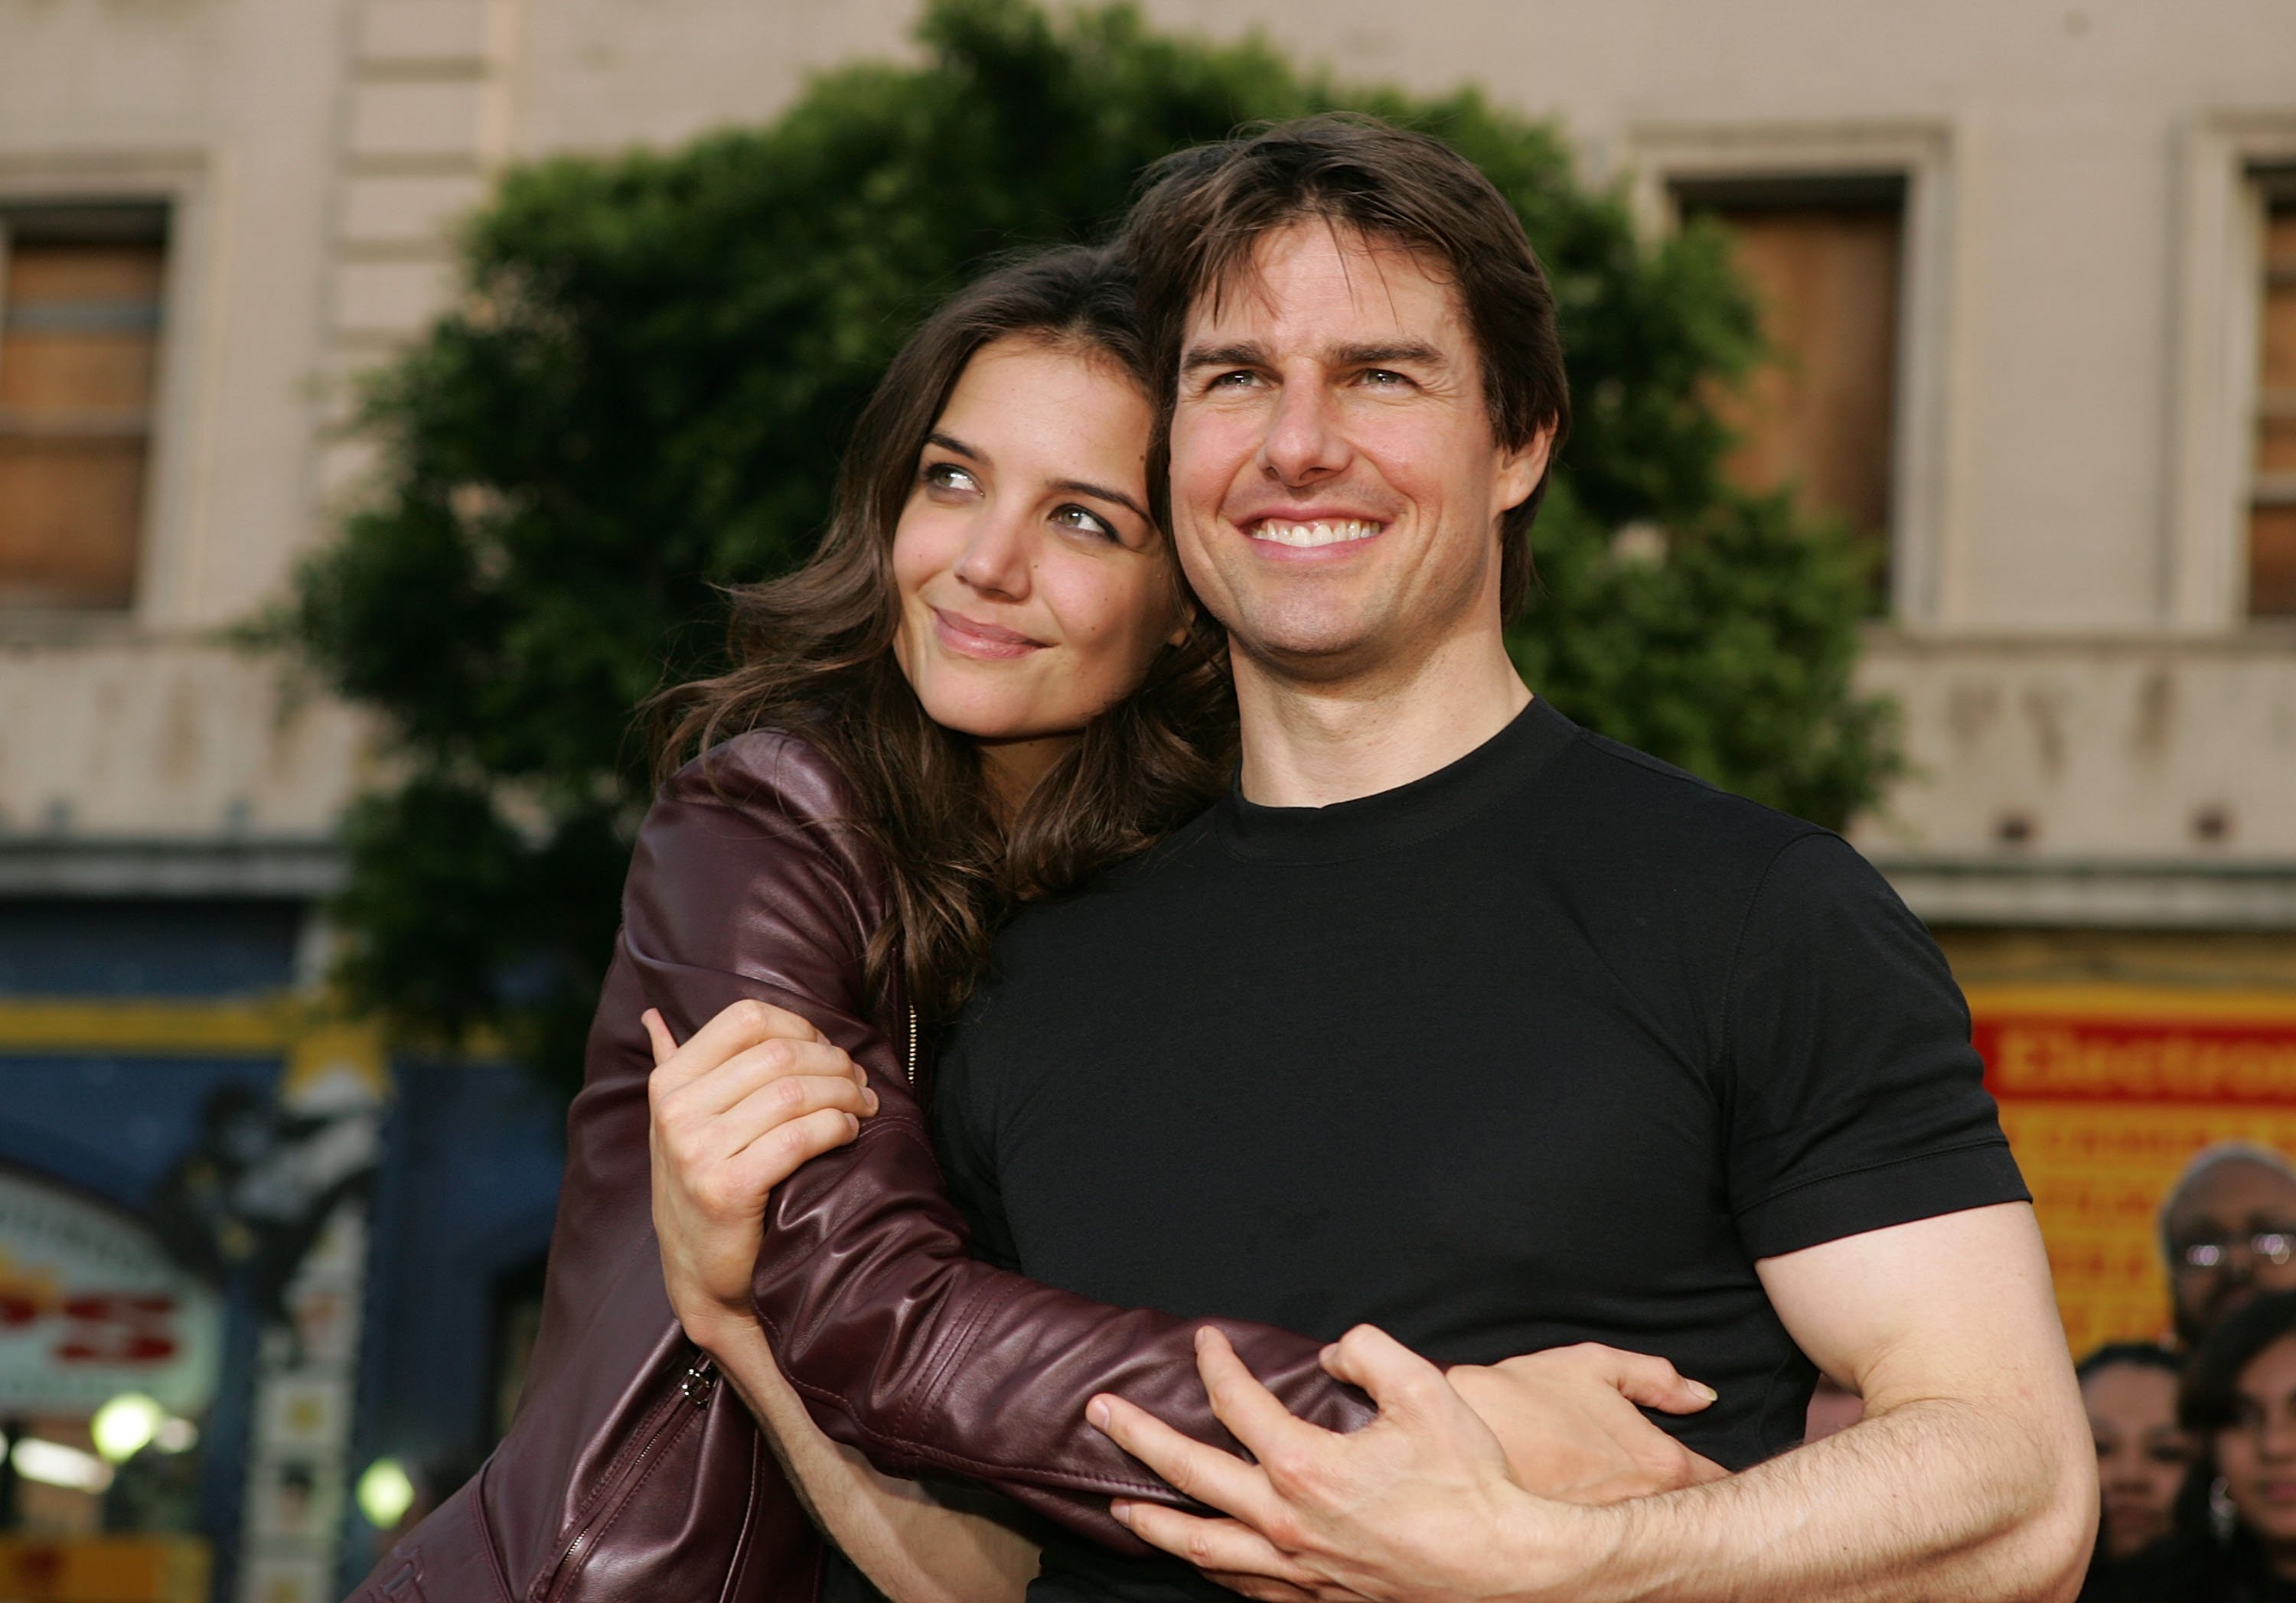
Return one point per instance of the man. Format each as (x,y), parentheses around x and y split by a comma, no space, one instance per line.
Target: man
(2227,1233)
(1459,1022)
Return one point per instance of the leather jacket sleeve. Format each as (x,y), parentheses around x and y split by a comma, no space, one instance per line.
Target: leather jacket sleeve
(628,1472)
(903,1346)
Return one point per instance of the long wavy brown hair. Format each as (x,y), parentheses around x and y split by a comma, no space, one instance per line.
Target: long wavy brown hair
(815,650)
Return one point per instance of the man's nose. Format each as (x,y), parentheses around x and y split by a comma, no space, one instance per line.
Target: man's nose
(1304,441)
(996,559)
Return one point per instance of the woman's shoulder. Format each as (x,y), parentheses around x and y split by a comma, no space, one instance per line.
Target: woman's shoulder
(770,772)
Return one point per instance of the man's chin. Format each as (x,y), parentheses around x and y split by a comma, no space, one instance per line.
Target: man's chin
(2220,1308)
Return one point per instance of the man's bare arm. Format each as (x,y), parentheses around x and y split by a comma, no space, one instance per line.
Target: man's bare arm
(1971,1477)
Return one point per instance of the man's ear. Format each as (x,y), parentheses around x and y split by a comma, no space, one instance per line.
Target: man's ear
(1520,467)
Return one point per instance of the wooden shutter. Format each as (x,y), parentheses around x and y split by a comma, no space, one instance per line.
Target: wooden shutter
(2272,503)
(79,324)
(1818,419)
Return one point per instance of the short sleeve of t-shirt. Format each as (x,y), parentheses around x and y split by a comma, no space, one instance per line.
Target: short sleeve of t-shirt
(1853,1098)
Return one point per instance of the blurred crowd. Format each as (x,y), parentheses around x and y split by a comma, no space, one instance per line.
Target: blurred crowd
(2196,1436)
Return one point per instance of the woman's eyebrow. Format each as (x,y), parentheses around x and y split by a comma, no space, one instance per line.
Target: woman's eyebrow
(949,442)
(1078,486)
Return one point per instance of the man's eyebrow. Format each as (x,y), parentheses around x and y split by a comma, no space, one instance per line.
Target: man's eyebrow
(1415,352)
(1246,354)
(1080,487)
(949,442)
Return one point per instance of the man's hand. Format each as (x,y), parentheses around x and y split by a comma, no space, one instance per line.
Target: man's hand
(755,1092)
(1416,1505)
(1569,1422)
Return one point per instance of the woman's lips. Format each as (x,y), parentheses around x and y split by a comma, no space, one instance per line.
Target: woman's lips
(972,637)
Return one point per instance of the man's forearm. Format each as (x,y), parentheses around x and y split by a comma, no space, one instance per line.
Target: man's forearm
(915,1548)
(1933,1500)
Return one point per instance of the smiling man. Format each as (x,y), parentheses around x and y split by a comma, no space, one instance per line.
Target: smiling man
(1456,1020)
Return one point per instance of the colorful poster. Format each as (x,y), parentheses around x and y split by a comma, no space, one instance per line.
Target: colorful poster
(2106,1092)
(91,1306)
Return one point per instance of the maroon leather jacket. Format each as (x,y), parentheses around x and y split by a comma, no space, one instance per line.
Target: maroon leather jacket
(629,1473)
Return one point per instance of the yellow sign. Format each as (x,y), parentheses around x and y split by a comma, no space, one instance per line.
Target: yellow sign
(2106,1092)
(104,1569)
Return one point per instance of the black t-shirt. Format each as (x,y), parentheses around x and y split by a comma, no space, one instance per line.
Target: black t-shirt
(1548,1046)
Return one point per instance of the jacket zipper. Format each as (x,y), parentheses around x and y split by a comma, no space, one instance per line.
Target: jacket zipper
(695,1385)
(913,1046)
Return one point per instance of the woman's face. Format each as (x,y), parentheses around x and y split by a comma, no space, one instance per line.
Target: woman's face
(2141,1455)
(1034,590)
(2257,1452)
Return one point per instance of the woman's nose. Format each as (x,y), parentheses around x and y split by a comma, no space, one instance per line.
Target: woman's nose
(996,559)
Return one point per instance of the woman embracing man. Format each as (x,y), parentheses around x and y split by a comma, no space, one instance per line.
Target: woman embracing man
(771,1365)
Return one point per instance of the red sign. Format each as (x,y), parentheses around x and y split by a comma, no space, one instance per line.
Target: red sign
(2106,1093)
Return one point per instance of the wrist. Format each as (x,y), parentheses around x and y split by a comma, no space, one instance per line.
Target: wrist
(1550,1550)
(713,1327)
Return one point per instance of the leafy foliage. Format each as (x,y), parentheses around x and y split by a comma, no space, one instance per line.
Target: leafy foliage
(643,395)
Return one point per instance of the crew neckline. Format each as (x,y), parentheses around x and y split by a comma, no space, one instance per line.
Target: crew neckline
(1386,820)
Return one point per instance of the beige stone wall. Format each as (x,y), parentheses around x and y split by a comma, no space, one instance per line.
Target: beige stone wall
(2067,644)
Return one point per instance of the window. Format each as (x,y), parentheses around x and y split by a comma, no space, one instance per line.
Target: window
(1823,258)
(2272,488)
(80,334)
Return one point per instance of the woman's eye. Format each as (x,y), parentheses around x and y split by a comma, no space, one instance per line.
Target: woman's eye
(948,476)
(1072,516)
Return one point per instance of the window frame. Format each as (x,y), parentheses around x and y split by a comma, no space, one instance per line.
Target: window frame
(164,589)
(1924,493)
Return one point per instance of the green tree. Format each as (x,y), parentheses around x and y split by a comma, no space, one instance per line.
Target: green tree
(642,394)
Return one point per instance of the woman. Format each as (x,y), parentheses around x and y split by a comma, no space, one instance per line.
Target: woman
(987,685)
(2143,1455)
(2234,1540)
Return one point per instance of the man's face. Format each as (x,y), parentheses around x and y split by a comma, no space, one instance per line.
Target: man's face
(1336,487)
(2229,1208)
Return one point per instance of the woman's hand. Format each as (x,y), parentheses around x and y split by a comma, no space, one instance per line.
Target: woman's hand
(734,1111)
(1569,1420)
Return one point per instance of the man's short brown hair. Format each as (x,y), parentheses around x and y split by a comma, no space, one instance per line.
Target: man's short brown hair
(1204,210)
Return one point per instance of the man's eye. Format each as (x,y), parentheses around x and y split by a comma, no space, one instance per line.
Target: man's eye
(1239,379)
(948,476)
(1072,516)
(1383,377)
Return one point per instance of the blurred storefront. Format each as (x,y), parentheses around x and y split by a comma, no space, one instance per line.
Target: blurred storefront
(243,1255)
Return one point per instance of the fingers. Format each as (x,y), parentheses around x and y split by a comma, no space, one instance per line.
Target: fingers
(766,1163)
(723,1086)
(664,1043)
(1274,1435)
(1224,1546)
(1645,1379)
(743,1025)
(1206,1473)
(1396,1378)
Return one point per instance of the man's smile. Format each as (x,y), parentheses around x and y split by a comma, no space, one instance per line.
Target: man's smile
(1320,531)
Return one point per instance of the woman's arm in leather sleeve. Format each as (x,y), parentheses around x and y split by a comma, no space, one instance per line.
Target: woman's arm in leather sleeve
(902,1345)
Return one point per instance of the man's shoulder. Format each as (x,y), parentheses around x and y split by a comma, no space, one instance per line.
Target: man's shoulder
(1613,804)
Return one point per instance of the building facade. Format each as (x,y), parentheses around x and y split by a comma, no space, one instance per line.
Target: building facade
(2032,272)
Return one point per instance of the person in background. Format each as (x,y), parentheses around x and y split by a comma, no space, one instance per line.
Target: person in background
(2227,1233)
(2236,1527)
(2143,1455)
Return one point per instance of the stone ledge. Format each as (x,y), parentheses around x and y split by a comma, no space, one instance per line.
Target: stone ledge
(2096,895)
(64,866)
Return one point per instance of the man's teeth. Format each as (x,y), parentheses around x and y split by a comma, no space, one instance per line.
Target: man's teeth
(1314,534)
